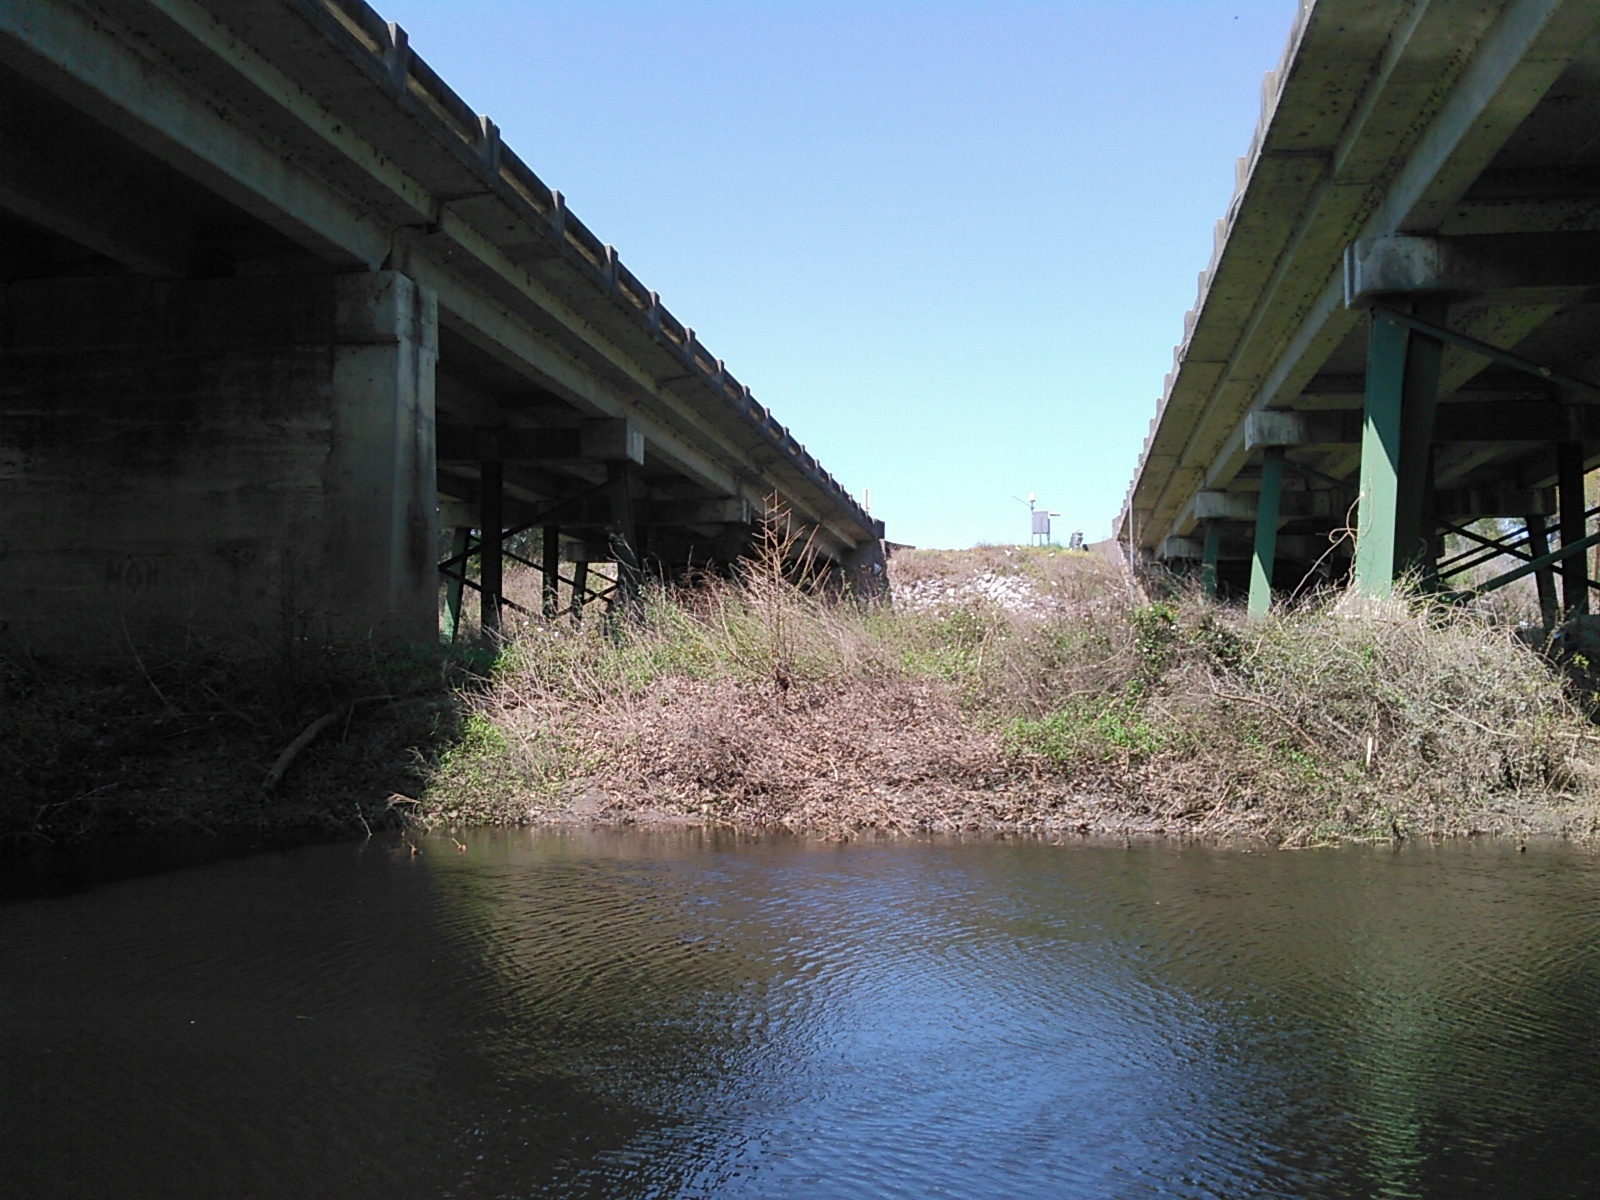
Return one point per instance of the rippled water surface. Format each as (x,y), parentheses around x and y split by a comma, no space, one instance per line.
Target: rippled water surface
(645,1014)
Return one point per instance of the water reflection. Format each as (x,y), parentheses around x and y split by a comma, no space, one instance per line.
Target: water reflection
(661,1014)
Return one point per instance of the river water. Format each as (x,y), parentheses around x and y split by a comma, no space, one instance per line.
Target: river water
(648,1014)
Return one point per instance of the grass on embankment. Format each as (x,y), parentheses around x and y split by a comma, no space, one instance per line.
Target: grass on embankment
(1027,690)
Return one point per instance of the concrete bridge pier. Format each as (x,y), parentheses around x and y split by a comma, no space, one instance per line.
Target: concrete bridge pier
(223,462)
(866,571)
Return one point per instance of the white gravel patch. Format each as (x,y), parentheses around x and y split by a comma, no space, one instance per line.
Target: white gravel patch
(1013,593)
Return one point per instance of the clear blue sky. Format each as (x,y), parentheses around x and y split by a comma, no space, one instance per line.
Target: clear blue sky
(950,244)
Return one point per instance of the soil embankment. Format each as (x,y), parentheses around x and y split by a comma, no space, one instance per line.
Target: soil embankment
(1006,689)
(1021,689)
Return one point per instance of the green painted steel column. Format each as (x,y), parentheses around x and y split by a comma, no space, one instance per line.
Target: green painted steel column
(1267,505)
(1414,541)
(453,586)
(1538,547)
(1208,562)
(550,569)
(580,590)
(1569,493)
(1376,505)
(1394,527)
(491,527)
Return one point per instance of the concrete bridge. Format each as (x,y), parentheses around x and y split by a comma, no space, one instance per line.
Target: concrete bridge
(1399,330)
(276,304)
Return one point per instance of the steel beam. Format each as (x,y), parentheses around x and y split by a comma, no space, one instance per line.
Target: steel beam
(1532,568)
(1436,329)
(93,196)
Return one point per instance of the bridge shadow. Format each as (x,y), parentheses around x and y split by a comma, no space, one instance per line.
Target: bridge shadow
(162,760)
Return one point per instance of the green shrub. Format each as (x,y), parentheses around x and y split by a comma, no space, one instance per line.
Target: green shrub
(1092,731)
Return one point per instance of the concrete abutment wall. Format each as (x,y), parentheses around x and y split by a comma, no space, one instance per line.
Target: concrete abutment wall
(217,462)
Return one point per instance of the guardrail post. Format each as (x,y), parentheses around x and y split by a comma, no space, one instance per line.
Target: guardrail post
(1266,549)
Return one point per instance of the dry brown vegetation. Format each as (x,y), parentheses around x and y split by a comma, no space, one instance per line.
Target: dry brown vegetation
(1005,689)
(1010,688)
